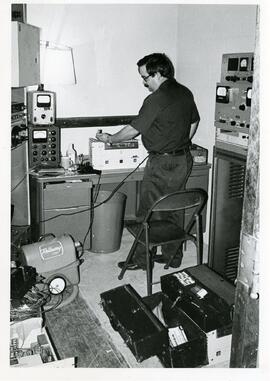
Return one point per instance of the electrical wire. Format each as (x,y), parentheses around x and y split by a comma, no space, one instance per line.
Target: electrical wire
(30,305)
(45,296)
(120,184)
(92,215)
(56,304)
(86,234)
(92,208)
(106,200)
(97,186)
(101,203)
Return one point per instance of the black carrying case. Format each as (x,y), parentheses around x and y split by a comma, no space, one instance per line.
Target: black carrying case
(141,330)
(203,295)
(147,334)
(189,354)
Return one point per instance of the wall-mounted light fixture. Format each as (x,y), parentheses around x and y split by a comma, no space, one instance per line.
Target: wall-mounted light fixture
(56,64)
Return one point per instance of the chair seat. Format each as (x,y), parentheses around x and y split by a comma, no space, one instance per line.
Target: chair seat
(160,232)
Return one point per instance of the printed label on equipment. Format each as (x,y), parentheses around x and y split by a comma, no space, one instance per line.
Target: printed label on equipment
(177,336)
(122,145)
(184,278)
(199,291)
(52,250)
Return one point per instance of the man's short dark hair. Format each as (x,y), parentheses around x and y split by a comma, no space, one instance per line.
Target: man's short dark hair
(157,63)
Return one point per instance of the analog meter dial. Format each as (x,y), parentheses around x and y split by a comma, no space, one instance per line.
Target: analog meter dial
(57,285)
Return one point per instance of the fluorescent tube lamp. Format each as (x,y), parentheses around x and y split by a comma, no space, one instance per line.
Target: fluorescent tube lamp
(56,64)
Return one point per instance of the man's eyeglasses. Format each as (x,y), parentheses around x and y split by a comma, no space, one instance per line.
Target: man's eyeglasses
(145,78)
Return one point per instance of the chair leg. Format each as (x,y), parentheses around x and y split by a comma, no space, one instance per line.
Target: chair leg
(167,265)
(129,257)
(172,258)
(149,268)
(199,239)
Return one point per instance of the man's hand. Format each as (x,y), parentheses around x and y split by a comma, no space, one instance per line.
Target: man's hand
(126,133)
(103,137)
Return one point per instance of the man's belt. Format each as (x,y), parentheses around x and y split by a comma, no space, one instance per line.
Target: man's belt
(177,152)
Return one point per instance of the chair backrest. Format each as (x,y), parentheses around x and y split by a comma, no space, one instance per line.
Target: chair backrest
(181,200)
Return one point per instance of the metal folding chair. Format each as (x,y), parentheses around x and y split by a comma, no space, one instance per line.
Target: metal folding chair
(152,233)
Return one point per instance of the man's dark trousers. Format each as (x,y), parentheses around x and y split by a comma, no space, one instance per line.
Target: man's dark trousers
(163,174)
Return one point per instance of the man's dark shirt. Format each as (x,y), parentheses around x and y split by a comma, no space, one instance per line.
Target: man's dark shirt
(165,117)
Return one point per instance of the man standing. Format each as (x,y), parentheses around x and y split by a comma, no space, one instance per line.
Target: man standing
(167,121)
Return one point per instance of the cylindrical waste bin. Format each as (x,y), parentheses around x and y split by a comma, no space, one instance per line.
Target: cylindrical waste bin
(108,222)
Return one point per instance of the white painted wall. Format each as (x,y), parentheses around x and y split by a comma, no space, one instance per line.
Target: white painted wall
(107,40)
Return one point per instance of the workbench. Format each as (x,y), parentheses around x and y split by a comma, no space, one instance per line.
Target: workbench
(70,196)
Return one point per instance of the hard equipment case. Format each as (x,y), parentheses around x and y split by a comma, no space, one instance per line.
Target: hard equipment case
(203,295)
(195,301)
(141,330)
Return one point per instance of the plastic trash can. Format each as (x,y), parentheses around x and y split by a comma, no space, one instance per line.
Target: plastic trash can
(108,222)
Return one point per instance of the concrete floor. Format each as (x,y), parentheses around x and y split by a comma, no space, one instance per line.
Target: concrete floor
(99,273)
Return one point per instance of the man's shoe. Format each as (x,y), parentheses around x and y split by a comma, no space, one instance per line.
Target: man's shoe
(174,264)
(159,259)
(130,266)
